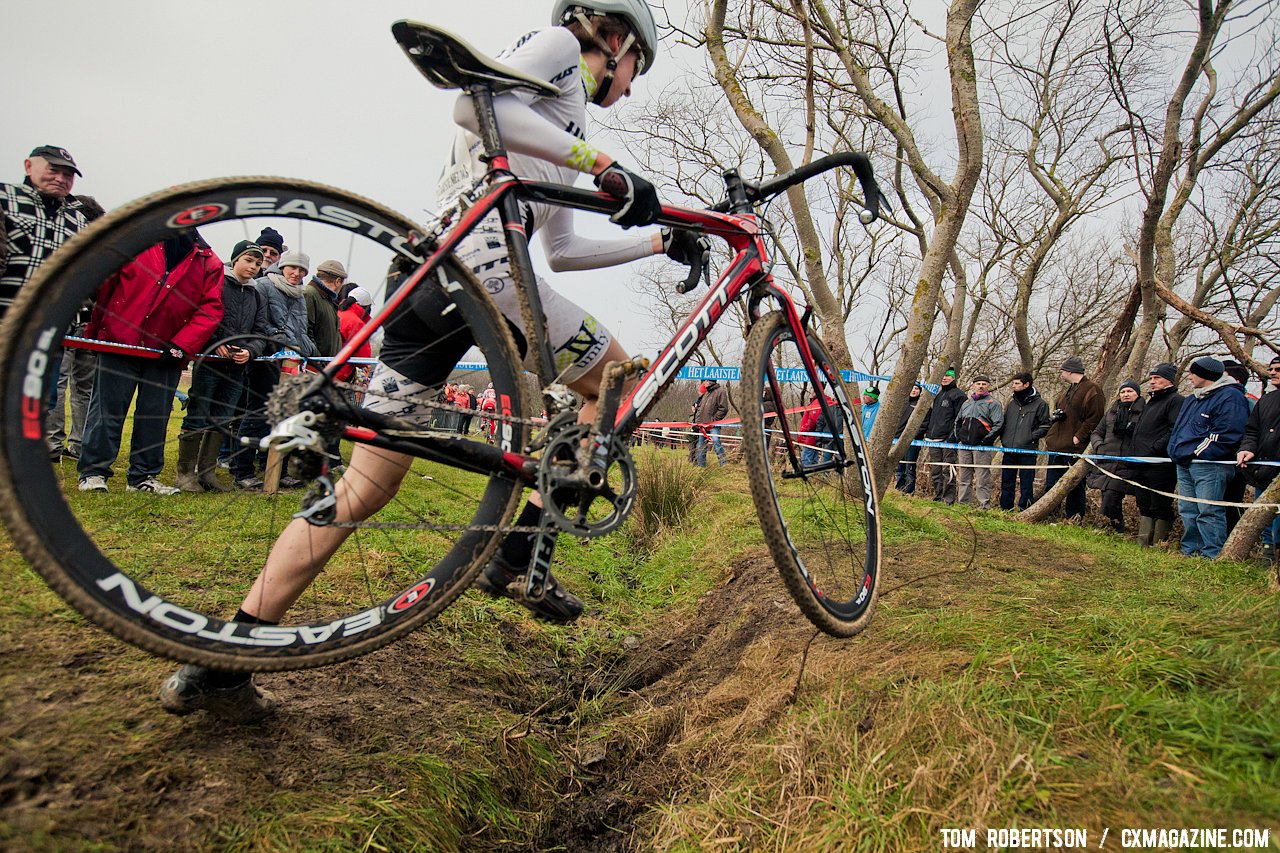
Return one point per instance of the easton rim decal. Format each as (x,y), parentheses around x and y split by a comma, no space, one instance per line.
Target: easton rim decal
(197,215)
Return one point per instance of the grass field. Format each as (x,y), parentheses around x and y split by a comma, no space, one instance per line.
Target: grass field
(1014,676)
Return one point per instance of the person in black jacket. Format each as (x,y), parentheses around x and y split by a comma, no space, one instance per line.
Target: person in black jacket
(1151,438)
(905,479)
(1114,437)
(1261,443)
(938,425)
(1234,492)
(217,383)
(714,408)
(1026,420)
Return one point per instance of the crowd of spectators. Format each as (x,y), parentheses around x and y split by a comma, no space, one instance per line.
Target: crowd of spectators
(176,299)
(175,303)
(1164,447)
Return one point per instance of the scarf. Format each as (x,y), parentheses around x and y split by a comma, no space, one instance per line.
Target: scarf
(1025,394)
(293,291)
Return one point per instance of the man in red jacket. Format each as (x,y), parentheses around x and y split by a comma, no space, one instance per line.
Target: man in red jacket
(167,300)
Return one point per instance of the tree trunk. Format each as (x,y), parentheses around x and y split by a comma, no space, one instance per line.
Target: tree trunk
(1245,535)
(825,303)
(1052,499)
(952,209)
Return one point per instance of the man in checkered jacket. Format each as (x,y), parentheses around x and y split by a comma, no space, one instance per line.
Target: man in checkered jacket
(38,217)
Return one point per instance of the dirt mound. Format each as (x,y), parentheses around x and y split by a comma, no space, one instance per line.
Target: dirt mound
(714,676)
(571,751)
(698,687)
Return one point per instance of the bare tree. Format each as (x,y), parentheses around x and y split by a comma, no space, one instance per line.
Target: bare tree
(1168,141)
(1233,244)
(1052,138)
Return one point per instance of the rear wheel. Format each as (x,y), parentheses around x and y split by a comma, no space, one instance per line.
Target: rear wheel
(816,502)
(165,572)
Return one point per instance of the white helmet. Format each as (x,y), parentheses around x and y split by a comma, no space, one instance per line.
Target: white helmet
(635,12)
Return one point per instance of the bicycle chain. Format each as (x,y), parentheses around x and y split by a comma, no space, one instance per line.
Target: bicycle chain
(404,525)
(441,407)
(281,411)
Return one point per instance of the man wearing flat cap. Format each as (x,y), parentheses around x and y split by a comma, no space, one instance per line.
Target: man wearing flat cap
(1075,416)
(1208,432)
(322,307)
(38,216)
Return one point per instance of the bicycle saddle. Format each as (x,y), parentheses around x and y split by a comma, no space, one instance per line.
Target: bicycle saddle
(450,63)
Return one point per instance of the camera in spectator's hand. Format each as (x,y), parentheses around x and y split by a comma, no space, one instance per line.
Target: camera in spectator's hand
(1057,415)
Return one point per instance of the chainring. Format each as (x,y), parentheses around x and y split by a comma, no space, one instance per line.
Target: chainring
(584,500)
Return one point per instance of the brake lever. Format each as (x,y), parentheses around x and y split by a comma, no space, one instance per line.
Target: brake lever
(699,269)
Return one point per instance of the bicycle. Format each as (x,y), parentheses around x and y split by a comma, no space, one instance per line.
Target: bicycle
(821,522)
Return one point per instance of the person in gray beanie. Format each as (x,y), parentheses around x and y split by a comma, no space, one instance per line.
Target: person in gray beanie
(978,424)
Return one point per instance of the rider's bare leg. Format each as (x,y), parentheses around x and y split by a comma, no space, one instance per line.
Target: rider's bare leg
(303,549)
(370,481)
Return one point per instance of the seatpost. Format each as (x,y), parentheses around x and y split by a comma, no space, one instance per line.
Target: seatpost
(513,227)
(482,99)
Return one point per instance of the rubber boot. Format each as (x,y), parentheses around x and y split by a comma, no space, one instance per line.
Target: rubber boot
(1146,527)
(188,457)
(207,469)
(1160,531)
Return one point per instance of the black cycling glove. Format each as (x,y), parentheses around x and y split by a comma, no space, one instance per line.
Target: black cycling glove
(640,200)
(685,247)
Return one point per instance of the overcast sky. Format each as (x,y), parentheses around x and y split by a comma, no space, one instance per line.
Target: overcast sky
(150,93)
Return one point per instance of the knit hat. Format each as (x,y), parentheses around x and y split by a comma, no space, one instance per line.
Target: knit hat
(1207,367)
(333,268)
(872,391)
(245,246)
(295,259)
(950,371)
(1075,364)
(271,237)
(1166,370)
(362,297)
(1129,383)
(1236,371)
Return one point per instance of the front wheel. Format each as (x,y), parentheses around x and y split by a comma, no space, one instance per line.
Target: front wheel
(813,489)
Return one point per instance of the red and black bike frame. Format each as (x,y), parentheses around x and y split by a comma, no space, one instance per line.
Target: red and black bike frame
(748,270)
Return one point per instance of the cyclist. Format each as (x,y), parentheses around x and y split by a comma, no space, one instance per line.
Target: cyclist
(592,54)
